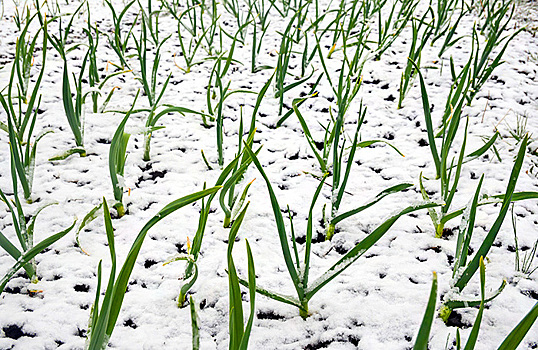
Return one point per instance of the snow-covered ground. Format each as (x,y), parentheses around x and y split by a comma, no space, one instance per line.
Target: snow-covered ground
(378,303)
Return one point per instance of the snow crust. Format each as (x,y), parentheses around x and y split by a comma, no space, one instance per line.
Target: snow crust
(377,303)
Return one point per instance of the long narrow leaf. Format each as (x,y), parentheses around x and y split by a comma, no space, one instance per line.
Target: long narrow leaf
(123,277)
(490,238)
(423,335)
(30,254)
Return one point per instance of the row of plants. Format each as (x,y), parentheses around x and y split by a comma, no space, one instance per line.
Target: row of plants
(347,29)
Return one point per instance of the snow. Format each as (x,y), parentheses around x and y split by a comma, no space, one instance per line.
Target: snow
(377,303)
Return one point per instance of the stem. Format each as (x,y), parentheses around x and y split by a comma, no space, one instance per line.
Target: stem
(147,140)
(181,299)
(303,310)
(120,209)
(444,313)
(227,221)
(330,232)
(439,230)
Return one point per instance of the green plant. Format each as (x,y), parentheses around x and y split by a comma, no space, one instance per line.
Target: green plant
(233,205)
(212,33)
(151,18)
(523,265)
(443,23)
(493,11)
(119,41)
(116,160)
(191,270)
(189,50)
(103,319)
(299,101)
(345,91)
(511,342)
(483,65)
(89,217)
(463,270)
(194,325)
(52,6)
(23,157)
(518,333)
(61,42)
(257,45)
(300,271)
(449,38)
(24,51)
(338,22)
(448,178)
(473,336)
(148,79)
(239,333)
(242,17)
(149,83)
(20,125)
(262,14)
(519,132)
(24,230)
(153,118)
(26,107)
(94,79)
(415,54)
(390,29)
(17,17)
(442,17)
(421,341)
(339,184)
(284,55)
(74,112)
(220,68)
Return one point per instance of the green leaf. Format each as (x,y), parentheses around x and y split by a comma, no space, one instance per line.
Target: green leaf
(490,238)
(473,337)
(31,253)
(99,336)
(423,335)
(280,226)
(123,277)
(68,153)
(429,123)
(92,215)
(460,304)
(518,333)
(466,231)
(194,325)
(361,248)
(117,154)
(252,291)
(286,299)
(73,117)
(377,198)
(236,308)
